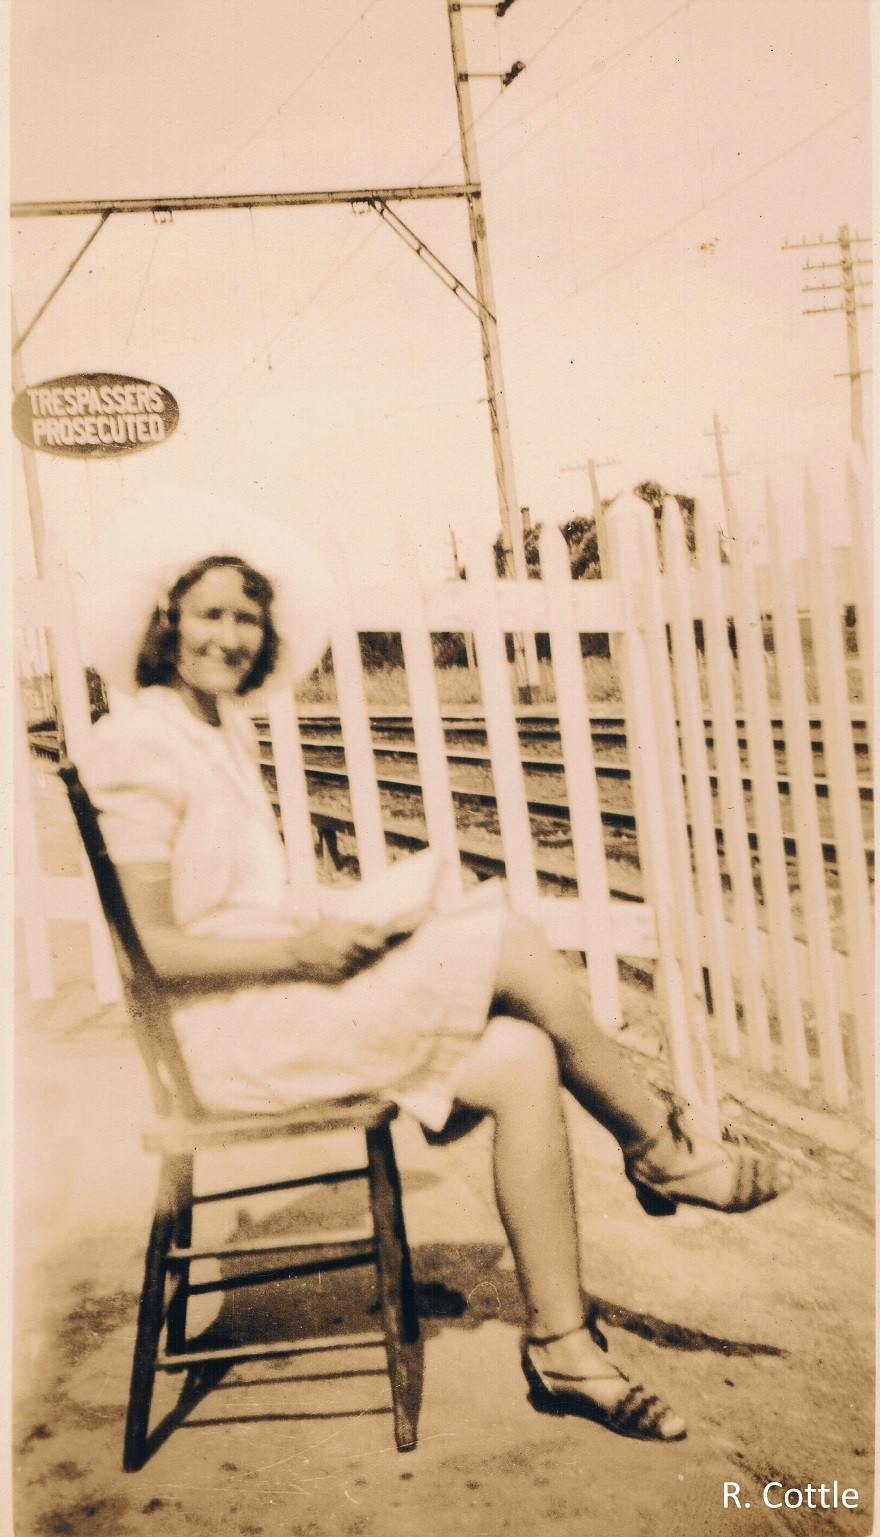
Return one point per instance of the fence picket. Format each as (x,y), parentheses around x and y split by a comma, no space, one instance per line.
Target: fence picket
(830,662)
(293,800)
(811,869)
(501,726)
(360,762)
(631,550)
(427,723)
(748,962)
(699,794)
(577,751)
(765,799)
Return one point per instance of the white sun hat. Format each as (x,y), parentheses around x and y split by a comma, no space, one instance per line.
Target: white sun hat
(122,581)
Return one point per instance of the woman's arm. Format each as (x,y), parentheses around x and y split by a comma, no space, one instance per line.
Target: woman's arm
(329,952)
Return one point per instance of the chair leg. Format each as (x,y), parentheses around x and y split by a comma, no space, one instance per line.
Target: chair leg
(182,1175)
(150,1319)
(396,1290)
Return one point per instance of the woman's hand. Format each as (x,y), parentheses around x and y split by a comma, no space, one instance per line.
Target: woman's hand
(336,949)
(330,952)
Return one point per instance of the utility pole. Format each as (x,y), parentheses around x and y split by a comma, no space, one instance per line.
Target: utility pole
(460,575)
(525,655)
(850,282)
(730,530)
(591,468)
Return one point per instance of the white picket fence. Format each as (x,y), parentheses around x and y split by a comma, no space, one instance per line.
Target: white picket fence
(791,1000)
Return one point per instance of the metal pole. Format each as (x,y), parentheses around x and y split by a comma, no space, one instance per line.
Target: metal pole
(18,343)
(194,204)
(42,552)
(525,656)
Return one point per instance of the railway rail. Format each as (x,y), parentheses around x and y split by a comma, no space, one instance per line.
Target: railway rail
(607,730)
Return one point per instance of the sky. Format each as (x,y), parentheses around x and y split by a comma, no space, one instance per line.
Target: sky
(641,177)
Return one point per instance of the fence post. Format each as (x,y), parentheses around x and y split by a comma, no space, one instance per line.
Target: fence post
(656,779)
(802,785)
(830,662)
(731,799)
(577,752)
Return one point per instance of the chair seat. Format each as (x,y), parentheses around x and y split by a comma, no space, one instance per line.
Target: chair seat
(221,1128)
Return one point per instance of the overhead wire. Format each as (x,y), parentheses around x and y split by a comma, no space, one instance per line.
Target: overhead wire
(696,106)
(142,290)
(559,30)
(276,335)
(611,64)
(478,116)
(276,111)
(260,291)
(694,213)
(663,234)
(617,59)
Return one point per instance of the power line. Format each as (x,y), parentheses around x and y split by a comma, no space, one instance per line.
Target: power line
(616,59)
(559,30)
(478,116)
(672,229)
(255,134)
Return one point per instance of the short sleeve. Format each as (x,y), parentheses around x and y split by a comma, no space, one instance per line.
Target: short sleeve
(136,785)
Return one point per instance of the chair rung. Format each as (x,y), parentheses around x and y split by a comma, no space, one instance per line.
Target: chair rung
(346,1257)
(173,1363)
(176,1137)
(331,1177)
(332,1240)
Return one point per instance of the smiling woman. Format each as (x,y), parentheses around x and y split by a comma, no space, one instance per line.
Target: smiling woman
(214,636)
(463,1008)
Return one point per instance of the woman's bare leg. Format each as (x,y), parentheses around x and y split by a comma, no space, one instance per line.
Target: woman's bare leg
(533,982)
(513,1073)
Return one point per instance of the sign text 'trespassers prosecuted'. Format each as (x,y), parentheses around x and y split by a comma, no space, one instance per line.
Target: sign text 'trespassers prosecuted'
(99,415)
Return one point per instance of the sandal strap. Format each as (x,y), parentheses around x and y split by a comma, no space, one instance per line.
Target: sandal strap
(639,1412)
(753,1177)
(591,1325)
(553,1339)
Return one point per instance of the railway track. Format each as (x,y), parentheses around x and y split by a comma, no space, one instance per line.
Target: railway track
(608,733)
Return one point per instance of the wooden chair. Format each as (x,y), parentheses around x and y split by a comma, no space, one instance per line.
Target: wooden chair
(184,1128)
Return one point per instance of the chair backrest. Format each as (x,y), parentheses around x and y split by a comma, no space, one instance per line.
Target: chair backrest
(148,1000)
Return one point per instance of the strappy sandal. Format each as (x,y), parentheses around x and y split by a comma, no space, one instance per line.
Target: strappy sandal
(641,1415)
(684,1166)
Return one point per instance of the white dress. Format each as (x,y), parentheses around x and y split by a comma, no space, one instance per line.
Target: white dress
(171,788)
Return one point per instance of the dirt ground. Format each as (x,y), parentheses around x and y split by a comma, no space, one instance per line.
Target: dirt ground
(759,1329)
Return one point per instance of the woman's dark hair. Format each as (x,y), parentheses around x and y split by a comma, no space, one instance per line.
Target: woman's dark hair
(157,659)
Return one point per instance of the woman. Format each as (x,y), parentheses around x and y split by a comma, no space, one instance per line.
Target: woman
(474,1013)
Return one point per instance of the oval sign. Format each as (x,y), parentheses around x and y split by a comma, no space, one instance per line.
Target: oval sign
(94,416)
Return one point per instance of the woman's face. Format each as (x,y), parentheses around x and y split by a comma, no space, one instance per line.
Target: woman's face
(220,633)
